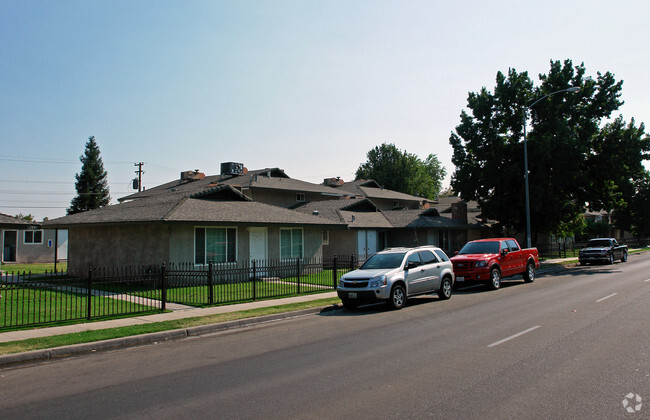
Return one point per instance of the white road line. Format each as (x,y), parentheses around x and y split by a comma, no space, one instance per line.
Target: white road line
(496,343)
(606,297)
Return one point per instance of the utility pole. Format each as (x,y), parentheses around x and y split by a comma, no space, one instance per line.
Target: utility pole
(138,180)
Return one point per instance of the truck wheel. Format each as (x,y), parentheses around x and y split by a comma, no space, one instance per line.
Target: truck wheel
(611,258)
(445,289)
(495,279)
(397,297)
(624,257)
(529,274)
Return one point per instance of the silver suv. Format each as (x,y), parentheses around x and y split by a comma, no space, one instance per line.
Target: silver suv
(394,274)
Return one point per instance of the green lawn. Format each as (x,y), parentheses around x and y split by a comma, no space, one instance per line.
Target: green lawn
(33,268)
(39,306)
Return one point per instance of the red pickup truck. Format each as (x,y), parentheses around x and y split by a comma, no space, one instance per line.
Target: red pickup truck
(489,260)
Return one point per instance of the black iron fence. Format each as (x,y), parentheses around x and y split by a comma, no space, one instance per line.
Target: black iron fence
(99,293)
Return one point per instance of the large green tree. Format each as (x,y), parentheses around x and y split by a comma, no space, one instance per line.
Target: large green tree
(571,165)
(92,184)
(401,171)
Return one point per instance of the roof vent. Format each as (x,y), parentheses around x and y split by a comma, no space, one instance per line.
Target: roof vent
(333,182)
(194,175)
(232,168)
(316,213)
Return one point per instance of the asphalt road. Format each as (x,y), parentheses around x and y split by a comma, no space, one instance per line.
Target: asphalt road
(573,344)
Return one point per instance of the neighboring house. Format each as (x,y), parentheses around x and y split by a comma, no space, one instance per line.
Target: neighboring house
(384,199)
(370,229)
(366,231)
(27,242)
(216,223)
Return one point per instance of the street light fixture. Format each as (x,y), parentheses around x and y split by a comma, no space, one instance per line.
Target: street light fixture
(571,89)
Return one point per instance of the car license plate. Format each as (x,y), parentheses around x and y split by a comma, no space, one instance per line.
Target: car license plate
(460,278)
(352,295)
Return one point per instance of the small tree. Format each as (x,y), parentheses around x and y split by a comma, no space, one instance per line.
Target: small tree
(404,172)
(92,184)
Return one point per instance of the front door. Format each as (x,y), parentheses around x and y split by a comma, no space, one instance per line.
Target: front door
(9,246)
(366,243)
(258,243)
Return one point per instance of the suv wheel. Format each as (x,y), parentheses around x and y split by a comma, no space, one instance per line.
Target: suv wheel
(495,279)
(445,288)
(611,258)
(624,257)
(397,297)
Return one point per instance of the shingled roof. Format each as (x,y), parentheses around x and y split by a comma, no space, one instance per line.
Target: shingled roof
(223,204)
(7,221)
(268,178)
(361,214)
(429,218)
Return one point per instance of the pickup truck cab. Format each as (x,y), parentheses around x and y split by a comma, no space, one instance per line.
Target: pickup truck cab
(488,261)
(602,250)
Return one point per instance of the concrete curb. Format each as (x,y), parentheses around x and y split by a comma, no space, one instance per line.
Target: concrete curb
(36,356)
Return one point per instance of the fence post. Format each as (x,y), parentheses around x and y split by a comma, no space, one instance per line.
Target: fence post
(352,262)
(334,275)
(298,273)
(163,288)
(89,292)
(254,282)
(210,290)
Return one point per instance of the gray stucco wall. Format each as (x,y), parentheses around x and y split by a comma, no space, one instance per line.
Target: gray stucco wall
(117,246)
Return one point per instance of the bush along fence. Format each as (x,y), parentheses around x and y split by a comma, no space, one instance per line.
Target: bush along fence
(99,293)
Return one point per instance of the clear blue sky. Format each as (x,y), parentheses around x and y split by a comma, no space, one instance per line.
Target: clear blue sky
(307,86)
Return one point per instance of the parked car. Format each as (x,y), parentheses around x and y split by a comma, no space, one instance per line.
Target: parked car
(395,274)
(490,260)
(602,250)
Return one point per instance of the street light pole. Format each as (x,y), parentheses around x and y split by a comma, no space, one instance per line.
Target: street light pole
(528,235)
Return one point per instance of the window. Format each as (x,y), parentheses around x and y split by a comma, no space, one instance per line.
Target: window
(414,258)
(326,237)
(300,197)
(427,257)
(442,255)
(217,245)
(33,237)
(395,204)
(291,243)
(512,245)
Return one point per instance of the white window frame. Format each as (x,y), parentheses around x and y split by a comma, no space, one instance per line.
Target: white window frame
(32,242)
(326,237)
(226,228)
(300,197)
(302,244)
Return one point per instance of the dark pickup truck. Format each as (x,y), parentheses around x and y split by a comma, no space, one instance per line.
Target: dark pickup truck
(602,250)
